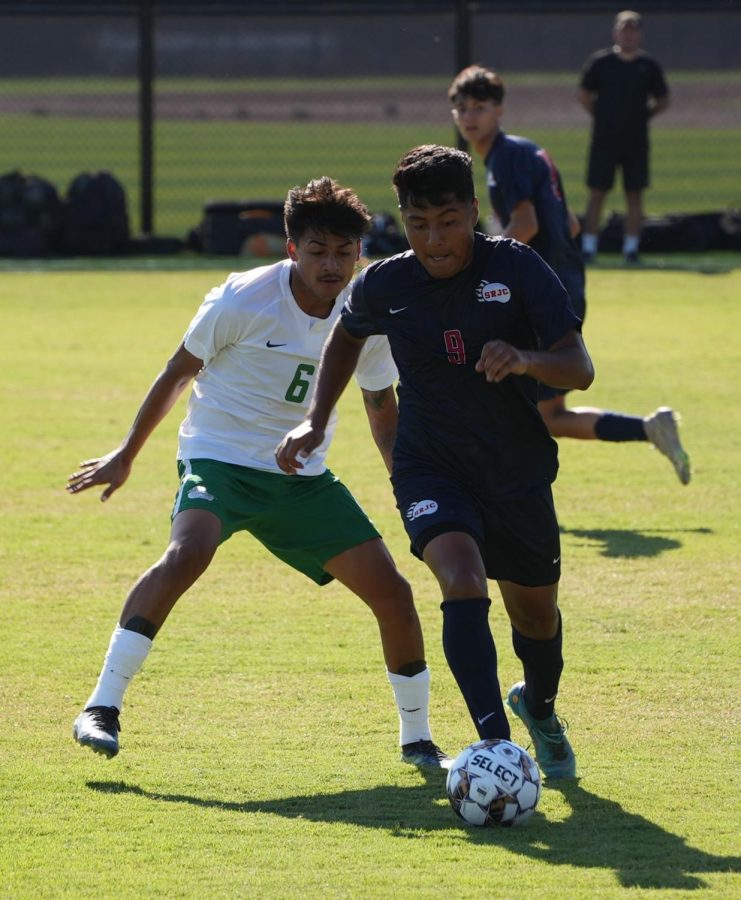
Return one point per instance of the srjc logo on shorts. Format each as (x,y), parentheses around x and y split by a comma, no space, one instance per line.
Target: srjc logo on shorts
(421,508)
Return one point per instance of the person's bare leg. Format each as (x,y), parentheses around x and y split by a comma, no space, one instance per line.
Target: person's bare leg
(194,537)
(633,213)
(573,423)
(633,222)
(593,213)
(369,572)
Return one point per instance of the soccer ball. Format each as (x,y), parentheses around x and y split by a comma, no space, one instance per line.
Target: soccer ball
(494,782)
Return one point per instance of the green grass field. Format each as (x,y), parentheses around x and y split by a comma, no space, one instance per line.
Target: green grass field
(199,159)
(259,746)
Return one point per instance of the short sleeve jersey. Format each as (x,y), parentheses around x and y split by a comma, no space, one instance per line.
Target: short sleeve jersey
(260,355)
(487,436)
(623,89)
(518,170)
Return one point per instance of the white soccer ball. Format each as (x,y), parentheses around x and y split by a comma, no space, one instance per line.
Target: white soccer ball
(494,782)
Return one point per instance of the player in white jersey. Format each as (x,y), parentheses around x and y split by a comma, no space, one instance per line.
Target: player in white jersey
(253,350)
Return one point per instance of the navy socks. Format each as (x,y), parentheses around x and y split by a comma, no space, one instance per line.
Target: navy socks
(542,662)
(472,658)
(619,427)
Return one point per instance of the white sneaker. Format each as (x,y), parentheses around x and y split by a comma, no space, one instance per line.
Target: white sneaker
(97,727)
(663,432)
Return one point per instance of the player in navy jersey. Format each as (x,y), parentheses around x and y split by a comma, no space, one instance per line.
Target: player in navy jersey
(528,198)
(474,324)
(621,88)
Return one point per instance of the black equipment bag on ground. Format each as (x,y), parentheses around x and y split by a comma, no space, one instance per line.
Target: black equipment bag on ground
(232,228)
(30,215)
(384,237)
(96,221)
(678,232)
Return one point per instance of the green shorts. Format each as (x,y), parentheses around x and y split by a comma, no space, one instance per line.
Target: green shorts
(303,520)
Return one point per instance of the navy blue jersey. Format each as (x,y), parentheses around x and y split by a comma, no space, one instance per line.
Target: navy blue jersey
(488,436)
(518,170)
(623,89)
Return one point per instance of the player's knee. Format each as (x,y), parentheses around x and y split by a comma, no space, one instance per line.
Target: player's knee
(187,560)
(392,600)
(460,581)
(539,625)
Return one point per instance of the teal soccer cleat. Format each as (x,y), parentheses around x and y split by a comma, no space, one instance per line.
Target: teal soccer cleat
(552,749)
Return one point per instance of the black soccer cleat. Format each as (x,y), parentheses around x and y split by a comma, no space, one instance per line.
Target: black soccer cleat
(425,754)
(97,727)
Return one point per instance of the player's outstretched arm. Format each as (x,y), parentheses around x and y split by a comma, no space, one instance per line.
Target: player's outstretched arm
(115,467)
(565,364)
(339,358)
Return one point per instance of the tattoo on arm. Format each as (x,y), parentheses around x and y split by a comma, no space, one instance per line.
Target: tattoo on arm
(377,399)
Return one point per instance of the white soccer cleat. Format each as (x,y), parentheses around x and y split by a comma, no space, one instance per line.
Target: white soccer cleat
(663,432)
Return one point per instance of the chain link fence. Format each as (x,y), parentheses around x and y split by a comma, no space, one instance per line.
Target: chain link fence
(247,102)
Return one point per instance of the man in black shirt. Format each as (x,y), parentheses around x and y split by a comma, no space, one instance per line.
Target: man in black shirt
(474,323)
(621,88)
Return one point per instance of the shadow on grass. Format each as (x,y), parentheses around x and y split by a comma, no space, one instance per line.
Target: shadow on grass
(618,542)
(597,834)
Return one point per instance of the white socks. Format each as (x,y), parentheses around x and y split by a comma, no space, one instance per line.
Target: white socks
(630,244)
(126,654)
(413,701)
(589,244)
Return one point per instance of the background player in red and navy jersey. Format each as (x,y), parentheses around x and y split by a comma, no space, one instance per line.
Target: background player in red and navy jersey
(528,198)
(474,324)
(621,88)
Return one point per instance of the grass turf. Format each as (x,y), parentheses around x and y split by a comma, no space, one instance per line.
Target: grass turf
(259,745)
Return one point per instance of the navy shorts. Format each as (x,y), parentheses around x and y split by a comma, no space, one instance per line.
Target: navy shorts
(605,158)
(519,538)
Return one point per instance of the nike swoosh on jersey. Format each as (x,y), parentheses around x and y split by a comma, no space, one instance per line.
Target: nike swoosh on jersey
(269,344)
(395,311)
(484,718)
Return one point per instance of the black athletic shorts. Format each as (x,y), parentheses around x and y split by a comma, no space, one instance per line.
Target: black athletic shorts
(605,158)
(519,538)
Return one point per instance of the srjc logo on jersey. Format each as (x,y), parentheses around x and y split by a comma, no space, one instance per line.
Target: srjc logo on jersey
(493,292)
(421,508)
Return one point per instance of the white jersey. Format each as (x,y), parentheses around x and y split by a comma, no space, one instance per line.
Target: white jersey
(260,355)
